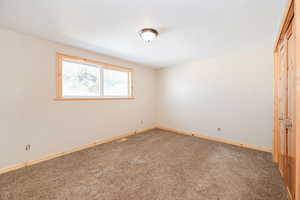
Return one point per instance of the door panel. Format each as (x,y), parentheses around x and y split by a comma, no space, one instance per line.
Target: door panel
(291,140)
(282,107)
(287,107)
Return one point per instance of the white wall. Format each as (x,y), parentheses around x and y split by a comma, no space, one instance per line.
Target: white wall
(233,92)
(29,115)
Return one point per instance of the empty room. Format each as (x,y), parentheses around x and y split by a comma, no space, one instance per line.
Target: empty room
(150,100)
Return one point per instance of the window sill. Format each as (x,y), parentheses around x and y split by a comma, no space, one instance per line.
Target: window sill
(91,98)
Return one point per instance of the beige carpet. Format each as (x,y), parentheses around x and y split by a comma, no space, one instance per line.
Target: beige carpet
(155,165)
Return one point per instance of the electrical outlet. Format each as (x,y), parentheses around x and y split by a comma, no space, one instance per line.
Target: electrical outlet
(218,129)
(27,147)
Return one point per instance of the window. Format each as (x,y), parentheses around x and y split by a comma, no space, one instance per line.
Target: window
(80,79)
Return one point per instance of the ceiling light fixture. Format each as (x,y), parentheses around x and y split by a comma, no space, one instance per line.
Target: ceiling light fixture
(148,34)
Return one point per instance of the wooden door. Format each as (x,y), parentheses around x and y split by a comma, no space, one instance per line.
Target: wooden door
(282,93)
(287,110)
(291,108)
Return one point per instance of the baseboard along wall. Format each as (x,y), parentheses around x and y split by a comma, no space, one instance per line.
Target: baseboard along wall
(79,148)
(222,140)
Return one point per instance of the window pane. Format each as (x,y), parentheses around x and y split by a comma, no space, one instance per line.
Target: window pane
(80,79)
(115,83)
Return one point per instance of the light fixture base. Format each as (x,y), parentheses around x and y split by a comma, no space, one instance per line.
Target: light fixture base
(148,34)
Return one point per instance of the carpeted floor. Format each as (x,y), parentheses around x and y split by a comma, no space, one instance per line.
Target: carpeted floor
(155,165)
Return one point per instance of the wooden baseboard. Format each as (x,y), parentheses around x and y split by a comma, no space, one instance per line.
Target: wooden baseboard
(226,141)
(52,156)
(79,148)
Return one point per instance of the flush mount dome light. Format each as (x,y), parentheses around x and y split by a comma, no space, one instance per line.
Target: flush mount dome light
(148,34)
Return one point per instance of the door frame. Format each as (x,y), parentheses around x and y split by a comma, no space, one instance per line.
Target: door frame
(297,34)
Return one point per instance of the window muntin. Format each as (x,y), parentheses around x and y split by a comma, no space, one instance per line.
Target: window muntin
(79,78)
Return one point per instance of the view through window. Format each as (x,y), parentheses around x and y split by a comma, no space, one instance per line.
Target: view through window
(84,79)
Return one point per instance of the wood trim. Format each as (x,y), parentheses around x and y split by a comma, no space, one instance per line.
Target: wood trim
(58,75)
(79,148)
(297,124)
(90,98)
(221,140)
(287,16)
(275,152)
(93,62)
(130,84)
(61,56)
